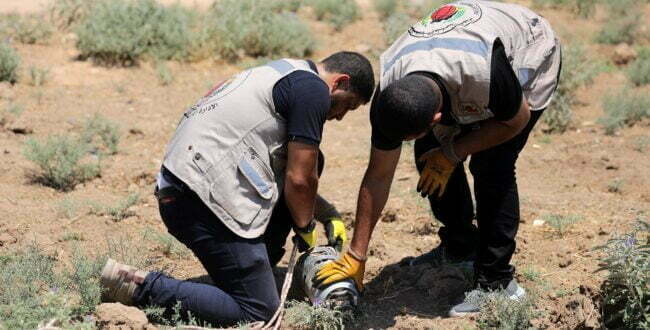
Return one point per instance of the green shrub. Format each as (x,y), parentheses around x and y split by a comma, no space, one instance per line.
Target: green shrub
(619,30)
(120,32)
(625,107)
(251,27)
(336,12)
(68,208)
(577,71)
(395,25)
(33,292)
(165,75)
(66,13)
(83,280)
(300,315)
(288,5)
(28,29)
(498,311)
(33,29)
(627,287)
(385,8)
(119,211)
(561,223)
(9,62)
(531,274)
(624,24)
(38,76)
(639,71)
(101,135)
(60,160)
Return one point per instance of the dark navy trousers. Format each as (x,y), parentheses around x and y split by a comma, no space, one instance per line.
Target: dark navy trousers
(244,287)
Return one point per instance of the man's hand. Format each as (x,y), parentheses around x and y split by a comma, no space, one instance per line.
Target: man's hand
(335,231)
(436,172)
(305,238)
(347,266)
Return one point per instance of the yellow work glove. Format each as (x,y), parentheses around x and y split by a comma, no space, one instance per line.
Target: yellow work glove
(347,266)
(335,231)
(436,172)
(305,238)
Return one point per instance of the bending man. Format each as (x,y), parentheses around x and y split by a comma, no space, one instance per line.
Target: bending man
(472,78)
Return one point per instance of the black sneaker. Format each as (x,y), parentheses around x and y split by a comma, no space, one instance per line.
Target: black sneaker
(438,257)
(473,299)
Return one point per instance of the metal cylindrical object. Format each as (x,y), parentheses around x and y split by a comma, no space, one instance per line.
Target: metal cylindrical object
(340,294)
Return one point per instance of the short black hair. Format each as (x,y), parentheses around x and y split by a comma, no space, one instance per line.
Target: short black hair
(357,66)
(406,107)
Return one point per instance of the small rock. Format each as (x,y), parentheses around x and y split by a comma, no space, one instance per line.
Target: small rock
(118,316)
(601,232)
(538,222)
(136,131)
(624,54)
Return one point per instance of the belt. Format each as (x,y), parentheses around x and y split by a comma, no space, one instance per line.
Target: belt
(167,194)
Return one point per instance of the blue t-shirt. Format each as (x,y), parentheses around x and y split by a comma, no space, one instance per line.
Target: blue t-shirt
(303,99)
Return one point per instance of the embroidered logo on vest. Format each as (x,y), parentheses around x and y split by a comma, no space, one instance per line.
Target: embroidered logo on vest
(445,19)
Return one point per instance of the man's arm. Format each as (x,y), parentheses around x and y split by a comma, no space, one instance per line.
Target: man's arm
(373,195)
(301,182)
(492,133)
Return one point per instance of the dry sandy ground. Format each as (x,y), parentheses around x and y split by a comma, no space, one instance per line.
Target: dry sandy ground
(565,174)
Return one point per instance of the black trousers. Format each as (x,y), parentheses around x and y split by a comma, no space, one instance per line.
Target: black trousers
(497,207)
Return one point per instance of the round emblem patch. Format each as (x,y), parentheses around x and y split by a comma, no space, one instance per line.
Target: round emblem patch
(445,19)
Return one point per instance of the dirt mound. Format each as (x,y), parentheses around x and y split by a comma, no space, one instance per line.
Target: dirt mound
(117,316)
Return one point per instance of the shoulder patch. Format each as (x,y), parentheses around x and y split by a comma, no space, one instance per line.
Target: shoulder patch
(445,19)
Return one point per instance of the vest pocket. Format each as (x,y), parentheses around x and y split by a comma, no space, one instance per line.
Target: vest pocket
(244,189)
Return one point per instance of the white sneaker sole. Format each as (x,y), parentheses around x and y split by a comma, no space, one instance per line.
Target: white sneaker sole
(521,292)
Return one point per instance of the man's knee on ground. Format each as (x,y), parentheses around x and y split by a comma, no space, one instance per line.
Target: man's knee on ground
(262,310)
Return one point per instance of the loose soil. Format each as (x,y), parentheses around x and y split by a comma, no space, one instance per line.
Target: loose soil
(568,174)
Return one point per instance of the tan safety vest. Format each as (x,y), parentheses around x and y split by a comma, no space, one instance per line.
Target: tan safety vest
(230,148)
(455,42)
